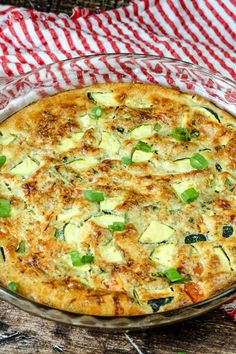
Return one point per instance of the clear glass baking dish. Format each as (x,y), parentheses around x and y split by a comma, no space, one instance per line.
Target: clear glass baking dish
(17,92)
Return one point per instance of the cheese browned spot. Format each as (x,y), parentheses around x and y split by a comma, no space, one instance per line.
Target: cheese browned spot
(104,202)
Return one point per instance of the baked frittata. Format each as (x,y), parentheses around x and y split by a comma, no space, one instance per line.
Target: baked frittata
(118,199)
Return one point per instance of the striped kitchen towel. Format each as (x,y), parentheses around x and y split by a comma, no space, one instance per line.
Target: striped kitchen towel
(198,31)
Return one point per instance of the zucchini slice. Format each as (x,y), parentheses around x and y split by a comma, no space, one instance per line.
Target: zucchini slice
(208,113)
(165,255)
(227,230)
(2,254)
(141,156)
(103,98)
(143,131)
(111,254)
(195,238)
(25,168)
(82,164)
(110,143)
(156,233)
(111,203)
(223,257)
(157,303)
(107,219)
(67,144)
(6,139)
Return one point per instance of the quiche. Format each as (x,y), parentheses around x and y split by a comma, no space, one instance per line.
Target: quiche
(118,199)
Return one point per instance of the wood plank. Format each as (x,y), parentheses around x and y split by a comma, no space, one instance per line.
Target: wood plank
(213,333)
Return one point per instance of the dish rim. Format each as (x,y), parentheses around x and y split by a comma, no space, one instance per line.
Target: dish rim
(9,296)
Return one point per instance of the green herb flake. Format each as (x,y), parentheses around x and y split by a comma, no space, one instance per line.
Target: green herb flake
(77,260)
(157,127)
(126,160)
(93,196)
(117,226)
(59,235)
(12,286)
(21,249)
(142,146)
(2,159)
(5,208)
(96,112)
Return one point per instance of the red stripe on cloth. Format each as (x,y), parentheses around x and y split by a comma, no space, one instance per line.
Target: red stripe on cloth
(69,37)
(198,51)
(119,31)
(95,36)
(150,30)
(130,42)
(161,29)
(220,19)
(228,11)
(210,24)
(56,39)
(205,34)
(179,35)
(107,32)
(84,41)
(43,41)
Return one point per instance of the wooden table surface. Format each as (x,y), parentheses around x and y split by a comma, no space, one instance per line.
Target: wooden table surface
(213,333)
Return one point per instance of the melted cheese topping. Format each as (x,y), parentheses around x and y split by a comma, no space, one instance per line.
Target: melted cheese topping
(110,253)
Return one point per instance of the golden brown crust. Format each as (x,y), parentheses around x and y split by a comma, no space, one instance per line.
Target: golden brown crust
(65,151)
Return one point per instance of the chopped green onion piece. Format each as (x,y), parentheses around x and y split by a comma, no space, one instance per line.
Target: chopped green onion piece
(5,208)
(199,162)
(59,235)
(141,145)
(21,248)
(78,261)
(127,160)
(117,226)
(181,133)
(96,112)
(172,274)
(2,159)
(228,182)
(157,127)
(93,196)
(12,286)
(189,195)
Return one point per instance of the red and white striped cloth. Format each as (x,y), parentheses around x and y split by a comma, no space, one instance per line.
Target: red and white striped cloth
(198,31)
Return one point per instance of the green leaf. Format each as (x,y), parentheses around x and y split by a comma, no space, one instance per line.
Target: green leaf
(2,159)
(93,196)
(96,112)
(141,145)
(117,226)
(21,249)
(77,260)
(12,286)
(59,235)
(5,208)
(127,160)
(157,127)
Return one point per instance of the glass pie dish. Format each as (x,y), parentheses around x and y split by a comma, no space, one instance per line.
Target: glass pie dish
(19,92)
